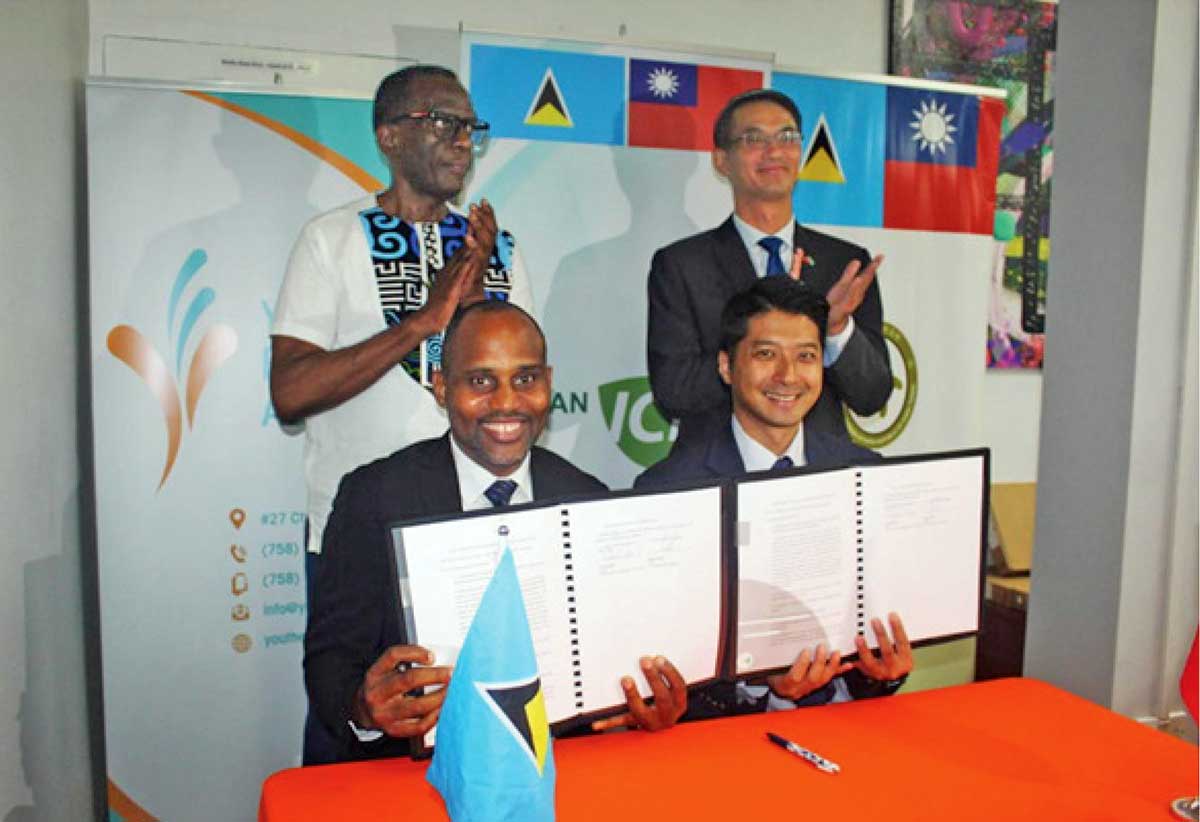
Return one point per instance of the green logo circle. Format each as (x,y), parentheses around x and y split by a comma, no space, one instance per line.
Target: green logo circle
(883,428)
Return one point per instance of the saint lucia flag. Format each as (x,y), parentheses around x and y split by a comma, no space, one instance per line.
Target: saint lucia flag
(493,761)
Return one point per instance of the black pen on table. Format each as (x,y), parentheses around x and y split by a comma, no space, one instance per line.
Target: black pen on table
(819,762)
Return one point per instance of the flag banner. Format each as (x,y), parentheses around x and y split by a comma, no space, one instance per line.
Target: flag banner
(1011,46)
(1189,680)
(674,105)
(942,155)
(538,94)
(494,760)
(590,217)
(841,170)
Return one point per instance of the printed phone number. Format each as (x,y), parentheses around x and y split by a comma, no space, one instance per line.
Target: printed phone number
(280,549)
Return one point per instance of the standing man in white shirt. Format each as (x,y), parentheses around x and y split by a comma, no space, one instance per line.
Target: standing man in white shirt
(371,285)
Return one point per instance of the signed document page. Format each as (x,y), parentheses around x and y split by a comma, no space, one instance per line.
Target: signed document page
(605,582)
(922,543)
(796,567)
(648,584)
(450,563)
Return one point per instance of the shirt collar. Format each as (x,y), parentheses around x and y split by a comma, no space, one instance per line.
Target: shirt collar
(757,457)
(751,235)
(474,479)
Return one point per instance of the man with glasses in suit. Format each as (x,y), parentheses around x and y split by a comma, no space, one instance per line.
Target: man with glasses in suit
(757,139)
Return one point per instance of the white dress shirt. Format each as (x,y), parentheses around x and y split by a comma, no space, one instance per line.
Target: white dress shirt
(474,479)
(758,457)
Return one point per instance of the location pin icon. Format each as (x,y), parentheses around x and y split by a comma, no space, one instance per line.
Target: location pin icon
(237,516)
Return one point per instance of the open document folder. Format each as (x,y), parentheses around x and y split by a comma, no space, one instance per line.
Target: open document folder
(726,579)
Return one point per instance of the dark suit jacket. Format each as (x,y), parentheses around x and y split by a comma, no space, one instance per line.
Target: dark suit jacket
(717,457)
(690,282)
(354,614)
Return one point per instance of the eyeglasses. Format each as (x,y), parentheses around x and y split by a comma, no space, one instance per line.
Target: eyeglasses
(448,127)
(755,140)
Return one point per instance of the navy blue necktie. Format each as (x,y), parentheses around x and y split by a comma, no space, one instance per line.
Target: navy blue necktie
(774,260)
(500,492)
(782,463)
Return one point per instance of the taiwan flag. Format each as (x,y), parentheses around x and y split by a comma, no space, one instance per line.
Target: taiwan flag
(942,154)
(674,105)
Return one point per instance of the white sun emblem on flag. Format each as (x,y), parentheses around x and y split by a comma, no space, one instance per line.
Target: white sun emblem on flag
(662,82)
(932,127)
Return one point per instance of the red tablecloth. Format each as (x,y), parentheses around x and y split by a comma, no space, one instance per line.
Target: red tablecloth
(1013,749)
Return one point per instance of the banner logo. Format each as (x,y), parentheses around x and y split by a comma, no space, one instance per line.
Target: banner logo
(821,163)
(635,423)
(217,345)
(884,427)
(548,107)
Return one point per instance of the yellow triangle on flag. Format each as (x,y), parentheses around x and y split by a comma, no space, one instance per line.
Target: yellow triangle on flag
(548,115)
(821,163)
(548,108)
(539,728)
(821,168)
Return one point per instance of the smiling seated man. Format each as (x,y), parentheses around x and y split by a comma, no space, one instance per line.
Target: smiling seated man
(495,387)
(771,358)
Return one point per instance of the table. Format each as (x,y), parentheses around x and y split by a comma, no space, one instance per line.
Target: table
(1009,749)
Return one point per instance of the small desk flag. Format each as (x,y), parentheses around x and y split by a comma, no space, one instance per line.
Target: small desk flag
(493,760)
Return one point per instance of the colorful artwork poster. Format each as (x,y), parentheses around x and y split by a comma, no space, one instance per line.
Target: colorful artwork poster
(1008,44)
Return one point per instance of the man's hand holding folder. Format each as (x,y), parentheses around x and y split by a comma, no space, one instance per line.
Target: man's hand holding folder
(386,700)
(669,703)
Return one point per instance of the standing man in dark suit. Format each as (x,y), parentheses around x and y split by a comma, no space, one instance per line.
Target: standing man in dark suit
(758,140)
(770,356)
(495,387)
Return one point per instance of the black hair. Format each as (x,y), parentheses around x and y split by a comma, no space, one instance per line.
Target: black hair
(484,307)
(724,124)
(770,294)
(392,96)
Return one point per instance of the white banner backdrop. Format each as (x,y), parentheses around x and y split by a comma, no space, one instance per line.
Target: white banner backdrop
(200,498)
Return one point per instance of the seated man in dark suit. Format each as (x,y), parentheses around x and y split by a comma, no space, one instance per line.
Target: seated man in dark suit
(495,387)
(770,357)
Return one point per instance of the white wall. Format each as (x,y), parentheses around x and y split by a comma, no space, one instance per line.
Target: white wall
(1113,604)
(849,35)
(45,765)
(1160,524)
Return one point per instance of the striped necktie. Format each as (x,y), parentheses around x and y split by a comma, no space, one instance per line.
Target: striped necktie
(500,492)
